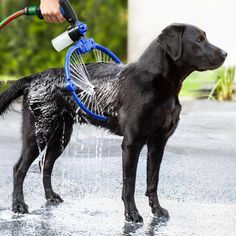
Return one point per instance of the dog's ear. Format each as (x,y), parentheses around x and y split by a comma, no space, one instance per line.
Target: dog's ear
(170,40)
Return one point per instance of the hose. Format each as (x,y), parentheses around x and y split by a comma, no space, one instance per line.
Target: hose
(66,10)
(12,17)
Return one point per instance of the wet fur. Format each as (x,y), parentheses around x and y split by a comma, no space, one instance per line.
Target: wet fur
(139,99)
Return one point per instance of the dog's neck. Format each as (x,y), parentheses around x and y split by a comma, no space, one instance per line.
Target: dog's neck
(167,75)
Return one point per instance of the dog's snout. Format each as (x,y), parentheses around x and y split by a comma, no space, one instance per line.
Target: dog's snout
(224,53)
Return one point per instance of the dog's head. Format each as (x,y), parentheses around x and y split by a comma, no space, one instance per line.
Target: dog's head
(187,45)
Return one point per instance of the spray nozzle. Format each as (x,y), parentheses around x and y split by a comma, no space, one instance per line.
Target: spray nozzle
(66,10)
(75,31)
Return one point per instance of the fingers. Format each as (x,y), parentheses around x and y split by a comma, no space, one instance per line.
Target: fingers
(50,10)
(59,17)
(53,17)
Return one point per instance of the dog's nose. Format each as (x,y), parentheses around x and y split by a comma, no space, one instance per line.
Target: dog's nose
(224,53)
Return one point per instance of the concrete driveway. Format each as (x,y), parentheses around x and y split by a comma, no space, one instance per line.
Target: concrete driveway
(197,183)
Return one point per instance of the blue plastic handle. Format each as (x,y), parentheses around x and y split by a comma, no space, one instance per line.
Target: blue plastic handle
(62,11)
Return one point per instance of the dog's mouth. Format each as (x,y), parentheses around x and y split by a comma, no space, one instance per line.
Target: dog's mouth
(221,59)
(212,65)
(217,65)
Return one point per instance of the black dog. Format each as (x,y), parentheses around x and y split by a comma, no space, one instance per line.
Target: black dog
(141,103)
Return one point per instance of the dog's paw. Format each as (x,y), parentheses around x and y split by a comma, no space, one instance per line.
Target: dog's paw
(54,199)
(20,207)
(133,217)
(161,213)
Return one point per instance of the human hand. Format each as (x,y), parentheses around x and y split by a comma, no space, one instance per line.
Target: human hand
(50,10)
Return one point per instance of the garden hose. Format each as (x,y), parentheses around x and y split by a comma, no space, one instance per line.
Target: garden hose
(30,11)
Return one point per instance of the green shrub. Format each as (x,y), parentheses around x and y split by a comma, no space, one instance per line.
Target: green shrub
(3,86)
(198,84)
(5,82)
(224,84)
(25,44)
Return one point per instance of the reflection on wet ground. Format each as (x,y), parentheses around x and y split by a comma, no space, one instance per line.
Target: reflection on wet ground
(197,183)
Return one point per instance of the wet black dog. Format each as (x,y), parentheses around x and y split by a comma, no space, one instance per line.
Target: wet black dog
(139,99)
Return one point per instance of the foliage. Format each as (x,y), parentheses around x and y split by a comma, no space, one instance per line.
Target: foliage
(201,84)
(3,86)
(25,46)
(223,89)
(196,82)
(5,82)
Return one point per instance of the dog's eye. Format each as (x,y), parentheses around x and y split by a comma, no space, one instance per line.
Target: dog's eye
(200,39)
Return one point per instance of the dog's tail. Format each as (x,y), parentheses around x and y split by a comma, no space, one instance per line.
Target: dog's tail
(12,93)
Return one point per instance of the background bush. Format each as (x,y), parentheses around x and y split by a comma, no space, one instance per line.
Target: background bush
(224,84)
(25,44)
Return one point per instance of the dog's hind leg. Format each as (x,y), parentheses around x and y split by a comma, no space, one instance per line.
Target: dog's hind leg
(28,155)
(55,148)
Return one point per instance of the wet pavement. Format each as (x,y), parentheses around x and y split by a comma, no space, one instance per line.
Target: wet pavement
(197,182)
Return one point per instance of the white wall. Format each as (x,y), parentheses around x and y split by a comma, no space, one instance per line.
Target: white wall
(148,17)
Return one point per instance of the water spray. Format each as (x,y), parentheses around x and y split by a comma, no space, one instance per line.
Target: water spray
(77,76)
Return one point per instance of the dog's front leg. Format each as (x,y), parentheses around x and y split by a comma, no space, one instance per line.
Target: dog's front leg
(130,155)
(156,146)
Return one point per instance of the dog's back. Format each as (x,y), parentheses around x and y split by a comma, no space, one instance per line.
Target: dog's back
(45,95)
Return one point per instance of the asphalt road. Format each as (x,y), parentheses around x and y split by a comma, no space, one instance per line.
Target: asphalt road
(197,183)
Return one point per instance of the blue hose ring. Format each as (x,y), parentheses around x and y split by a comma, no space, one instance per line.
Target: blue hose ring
(70,84)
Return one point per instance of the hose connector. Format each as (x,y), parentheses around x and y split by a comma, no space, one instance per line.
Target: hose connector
(33,11)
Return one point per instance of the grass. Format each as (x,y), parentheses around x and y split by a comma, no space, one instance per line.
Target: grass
(224,84)
(5,78)
(4,82)
(197,81)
